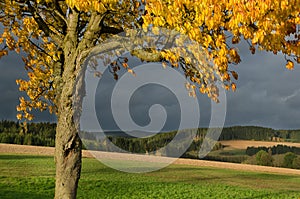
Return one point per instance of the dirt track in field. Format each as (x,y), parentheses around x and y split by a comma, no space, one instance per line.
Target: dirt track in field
(37,150)
(243,144)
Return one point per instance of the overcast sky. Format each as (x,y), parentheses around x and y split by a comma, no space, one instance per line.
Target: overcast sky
(267,95)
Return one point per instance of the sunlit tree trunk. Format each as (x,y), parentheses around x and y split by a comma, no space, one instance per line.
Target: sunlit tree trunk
(68,144)
(67,156)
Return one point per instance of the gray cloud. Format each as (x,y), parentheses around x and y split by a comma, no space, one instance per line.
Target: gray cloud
(12,68)
(267,95)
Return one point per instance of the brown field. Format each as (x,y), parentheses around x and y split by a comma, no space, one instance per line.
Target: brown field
(243,144)
(37,150)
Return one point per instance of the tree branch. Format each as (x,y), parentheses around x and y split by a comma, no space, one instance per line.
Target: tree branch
(126,44)
(90,36)
(42,24)
(59,11)
(38,47)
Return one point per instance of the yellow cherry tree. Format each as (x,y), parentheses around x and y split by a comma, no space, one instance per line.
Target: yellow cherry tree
(57,36)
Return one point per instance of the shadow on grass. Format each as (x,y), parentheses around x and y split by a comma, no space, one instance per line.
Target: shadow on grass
(20,194)
(18,157)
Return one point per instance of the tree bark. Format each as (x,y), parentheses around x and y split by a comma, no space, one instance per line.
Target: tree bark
(70,92)
(67,157)
(68,144)
(67,147)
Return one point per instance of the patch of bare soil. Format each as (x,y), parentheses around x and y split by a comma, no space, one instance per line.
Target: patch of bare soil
(243,144)
(37,150)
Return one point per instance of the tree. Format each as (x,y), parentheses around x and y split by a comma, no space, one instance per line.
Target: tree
(264,158)
(289,159)
(296,163)
(57,36)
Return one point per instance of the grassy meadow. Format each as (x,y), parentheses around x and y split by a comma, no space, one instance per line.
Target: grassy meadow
(28,176)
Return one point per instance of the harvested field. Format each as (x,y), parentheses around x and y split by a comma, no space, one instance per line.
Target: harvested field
(37,150)
(243,144)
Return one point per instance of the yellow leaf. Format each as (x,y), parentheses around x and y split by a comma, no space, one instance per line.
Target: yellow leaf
(202,90)
(125,65)
(290,65)
(155,30)
(132,72)
(227,87)
(233,86)
(164,64)
(19,116)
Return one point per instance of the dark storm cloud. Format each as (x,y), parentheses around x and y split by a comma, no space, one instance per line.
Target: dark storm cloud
(139,105)
(149,95)
(267,95)
(12,68)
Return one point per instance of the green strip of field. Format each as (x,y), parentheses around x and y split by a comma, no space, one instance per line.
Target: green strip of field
(24,176)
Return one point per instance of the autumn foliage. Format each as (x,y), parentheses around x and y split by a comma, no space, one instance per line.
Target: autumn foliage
(55,37)
(39,27)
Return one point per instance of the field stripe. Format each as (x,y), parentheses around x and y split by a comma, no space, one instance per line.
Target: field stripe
(38,150)
(243,144)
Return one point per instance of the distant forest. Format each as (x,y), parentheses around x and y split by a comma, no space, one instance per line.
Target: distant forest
(43,134)
(39,134)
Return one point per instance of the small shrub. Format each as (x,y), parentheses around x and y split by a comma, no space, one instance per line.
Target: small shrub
(250,160)
(264,158)
(278,160)
(296,163)
(288,159)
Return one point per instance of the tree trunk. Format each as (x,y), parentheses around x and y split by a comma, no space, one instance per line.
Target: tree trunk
(68,144)
(67,157)
(70,92)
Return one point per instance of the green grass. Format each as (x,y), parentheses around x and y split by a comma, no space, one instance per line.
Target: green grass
(228,155)
(24,176)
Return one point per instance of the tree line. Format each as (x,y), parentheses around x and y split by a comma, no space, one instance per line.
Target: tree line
(39,134)
(43,134)
(259,134)
(265,158)
(278,149)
